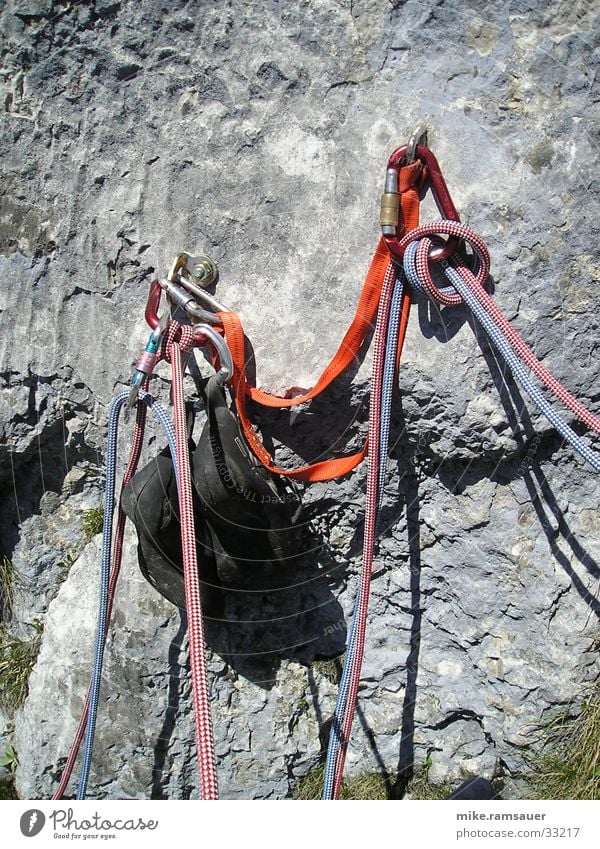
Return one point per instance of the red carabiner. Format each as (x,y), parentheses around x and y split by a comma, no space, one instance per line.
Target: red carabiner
(152,304)
(440,193)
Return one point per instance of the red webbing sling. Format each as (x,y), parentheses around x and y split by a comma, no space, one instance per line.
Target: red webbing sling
(410,180)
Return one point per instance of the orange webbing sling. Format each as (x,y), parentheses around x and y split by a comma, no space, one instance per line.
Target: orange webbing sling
(410,179)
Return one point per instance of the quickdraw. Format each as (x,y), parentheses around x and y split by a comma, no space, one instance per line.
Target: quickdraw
(402,265)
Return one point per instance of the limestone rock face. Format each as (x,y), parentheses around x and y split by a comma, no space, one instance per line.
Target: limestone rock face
(261,134)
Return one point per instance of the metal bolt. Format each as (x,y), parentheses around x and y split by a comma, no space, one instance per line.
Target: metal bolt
(202,268)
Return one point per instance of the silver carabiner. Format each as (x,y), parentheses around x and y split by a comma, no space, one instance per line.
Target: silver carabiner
(203,297)
(222,349)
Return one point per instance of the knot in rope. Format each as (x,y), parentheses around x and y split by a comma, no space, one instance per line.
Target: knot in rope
(467,287)
(417,246)
(182,334)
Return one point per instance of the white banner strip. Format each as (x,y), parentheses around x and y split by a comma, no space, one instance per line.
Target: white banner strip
(289,824)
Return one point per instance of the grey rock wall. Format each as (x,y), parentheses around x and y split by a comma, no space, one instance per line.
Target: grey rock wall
(260,132)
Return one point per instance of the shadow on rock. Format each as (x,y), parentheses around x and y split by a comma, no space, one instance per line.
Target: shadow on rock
(527,464)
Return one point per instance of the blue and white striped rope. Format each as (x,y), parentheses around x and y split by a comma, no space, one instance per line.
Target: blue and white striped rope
(514,362)
(107,532)
(387,391)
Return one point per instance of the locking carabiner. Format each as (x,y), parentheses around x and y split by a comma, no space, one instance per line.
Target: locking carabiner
(390,201)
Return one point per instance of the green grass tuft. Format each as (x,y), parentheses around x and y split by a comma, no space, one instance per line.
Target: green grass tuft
(420,787)
(570,766)
(92,522)
(371,786)
(366,786)
(17,658)
(7,790)
(7,587)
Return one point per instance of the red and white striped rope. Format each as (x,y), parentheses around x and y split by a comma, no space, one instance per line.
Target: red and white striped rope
(371,510)
(201,697)
(475,283)
(204,733)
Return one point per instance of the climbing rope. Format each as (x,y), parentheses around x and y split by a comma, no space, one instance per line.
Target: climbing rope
(476,283)
(114,576)
(390,331)
(467,287)
(399,300)
(177,338)
(103,606)
(202,713)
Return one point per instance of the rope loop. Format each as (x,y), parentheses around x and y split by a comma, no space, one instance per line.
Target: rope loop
(418,260)
(183,334)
